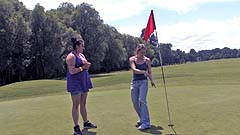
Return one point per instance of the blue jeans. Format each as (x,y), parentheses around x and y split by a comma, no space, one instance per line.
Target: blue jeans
(139,90)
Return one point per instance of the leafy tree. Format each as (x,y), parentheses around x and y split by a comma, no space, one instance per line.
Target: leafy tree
(53,46)
(191,56)
(65,13)
(166,52)
(116,54)
(13,41)
(38,42)
(87,22)
(178,56)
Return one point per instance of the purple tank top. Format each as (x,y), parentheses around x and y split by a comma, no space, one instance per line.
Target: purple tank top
(80,81)
(140,67)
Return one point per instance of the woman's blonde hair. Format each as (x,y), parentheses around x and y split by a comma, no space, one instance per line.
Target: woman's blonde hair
(139,48)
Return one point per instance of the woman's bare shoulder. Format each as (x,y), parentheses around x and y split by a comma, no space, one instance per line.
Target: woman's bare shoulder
(70,56)
(147,59)
(132,58)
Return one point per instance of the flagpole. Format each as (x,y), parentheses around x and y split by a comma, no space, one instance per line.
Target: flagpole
(164,84)
(150,29)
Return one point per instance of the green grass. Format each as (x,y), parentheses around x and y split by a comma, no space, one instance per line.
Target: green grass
(203,98)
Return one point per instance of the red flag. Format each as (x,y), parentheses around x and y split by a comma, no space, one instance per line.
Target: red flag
(150,27)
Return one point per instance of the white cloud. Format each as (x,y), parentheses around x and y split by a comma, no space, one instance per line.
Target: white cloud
(182,6)
(201,35)
(112,10)
(109,10)
(235,21)
(134,30)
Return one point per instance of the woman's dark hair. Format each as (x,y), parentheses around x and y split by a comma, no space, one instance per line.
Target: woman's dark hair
(76,40)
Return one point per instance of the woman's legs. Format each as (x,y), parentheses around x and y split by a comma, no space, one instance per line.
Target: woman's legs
(75,108)
(83,108)
(145,120)
(83,111)
(135,97)
(139,90)
(75,113)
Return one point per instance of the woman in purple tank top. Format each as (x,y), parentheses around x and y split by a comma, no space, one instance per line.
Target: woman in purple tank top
(141,67)
(78,83)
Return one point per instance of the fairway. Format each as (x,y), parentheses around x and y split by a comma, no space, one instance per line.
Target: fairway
(204,99)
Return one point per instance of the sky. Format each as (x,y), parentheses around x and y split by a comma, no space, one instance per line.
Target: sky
(186,24)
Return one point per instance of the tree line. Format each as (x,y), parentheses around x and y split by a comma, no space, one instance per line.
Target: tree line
(34,43)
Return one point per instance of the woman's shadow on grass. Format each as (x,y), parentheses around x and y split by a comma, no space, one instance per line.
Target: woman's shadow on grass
(86,132)
(155,130)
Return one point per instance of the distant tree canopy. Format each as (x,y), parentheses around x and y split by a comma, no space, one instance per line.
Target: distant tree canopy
(34,43)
